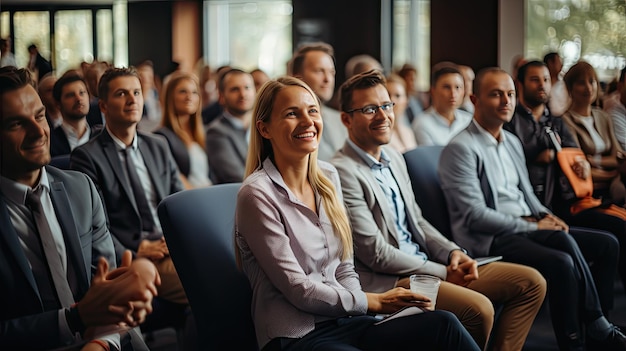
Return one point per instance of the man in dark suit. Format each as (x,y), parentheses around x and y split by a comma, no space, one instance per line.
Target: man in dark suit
(227,137)
(133,172)
(71,95)
(55,248)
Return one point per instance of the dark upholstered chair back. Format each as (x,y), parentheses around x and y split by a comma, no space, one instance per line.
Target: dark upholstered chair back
(422,163)
(199,229)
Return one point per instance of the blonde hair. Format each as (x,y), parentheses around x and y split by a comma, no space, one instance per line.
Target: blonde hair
(261,148)
(170,118)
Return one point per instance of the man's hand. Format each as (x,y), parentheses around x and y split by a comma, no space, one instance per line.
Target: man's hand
(122,296)
(153,250)
(462,268)
(552,222)
(392,300)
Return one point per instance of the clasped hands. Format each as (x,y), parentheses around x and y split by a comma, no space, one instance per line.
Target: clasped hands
(462,269)
(122,296)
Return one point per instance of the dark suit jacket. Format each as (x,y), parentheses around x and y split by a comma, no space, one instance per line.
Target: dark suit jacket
(226,149)
(99,159)
(23,322)
(178,149)
(59,144)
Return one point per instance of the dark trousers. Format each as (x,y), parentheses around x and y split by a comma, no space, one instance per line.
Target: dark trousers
(593,218)
(574,299)
(437,330)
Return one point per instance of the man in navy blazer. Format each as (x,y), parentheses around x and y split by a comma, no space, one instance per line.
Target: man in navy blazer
(103,159)
(494,211)
(32,317)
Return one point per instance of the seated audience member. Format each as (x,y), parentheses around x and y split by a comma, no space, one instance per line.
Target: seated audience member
(183,129)
(415,105)
(214,109)
(92,77)
(37,63)
(617,111)
(392,240)
(361,63)
(259,77)
(56,247)
(44,88)
(593,131)
(70,93)
(402,136)
(558,99)
(530,122)
(494,211)
(468,80)
(298,253)
(443,119)
(227,137)
(152,112)
(133,172)
(314,64)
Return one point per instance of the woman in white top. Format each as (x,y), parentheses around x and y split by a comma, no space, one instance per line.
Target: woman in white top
(182,127)
(402,136)
(593,130)
(295,244)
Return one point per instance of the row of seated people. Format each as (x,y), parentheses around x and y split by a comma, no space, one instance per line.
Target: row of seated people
(100,159)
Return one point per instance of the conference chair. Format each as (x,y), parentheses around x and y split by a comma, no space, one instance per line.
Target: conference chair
(422,163)
(198,226)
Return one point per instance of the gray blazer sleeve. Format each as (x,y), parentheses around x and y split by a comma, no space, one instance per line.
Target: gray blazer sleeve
(462,177)
(373,247)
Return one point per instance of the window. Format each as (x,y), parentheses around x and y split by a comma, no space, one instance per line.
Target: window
(411,37)
(73,38)
(591,30)
(248,34)
(31,27)
(66,36)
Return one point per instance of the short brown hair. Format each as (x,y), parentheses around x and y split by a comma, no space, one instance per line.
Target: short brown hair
(364,80)
(579,70)
(109,75)
(296,63)
(478,82)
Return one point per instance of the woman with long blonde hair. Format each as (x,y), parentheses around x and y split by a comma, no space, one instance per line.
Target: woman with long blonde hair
(182,127)
(295,244)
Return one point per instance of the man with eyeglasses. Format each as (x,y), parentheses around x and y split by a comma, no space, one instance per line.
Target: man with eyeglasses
(393,241)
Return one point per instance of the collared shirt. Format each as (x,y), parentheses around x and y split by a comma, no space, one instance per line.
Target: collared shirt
(389,185)
(72,137)
(432,128)
(510,197)
(144,177)
(21,217)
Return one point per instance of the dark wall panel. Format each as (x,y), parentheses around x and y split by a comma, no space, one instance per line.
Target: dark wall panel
(352,27)
(465,32)
(150,34)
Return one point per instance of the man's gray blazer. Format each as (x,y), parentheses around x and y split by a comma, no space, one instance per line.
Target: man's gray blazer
(378,259)
(226,149)
(465,174)
(334,133)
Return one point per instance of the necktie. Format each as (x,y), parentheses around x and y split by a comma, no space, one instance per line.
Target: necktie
(147,222)
(59,277)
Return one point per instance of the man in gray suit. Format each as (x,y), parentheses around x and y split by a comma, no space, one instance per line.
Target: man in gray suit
(314,63)
(133,172)
(392,239)
(494,212)
(227,137)
(54,244)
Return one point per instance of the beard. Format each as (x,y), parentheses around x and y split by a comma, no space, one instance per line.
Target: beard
(534,99)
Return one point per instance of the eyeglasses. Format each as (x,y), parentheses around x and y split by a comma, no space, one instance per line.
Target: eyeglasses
(372,109)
